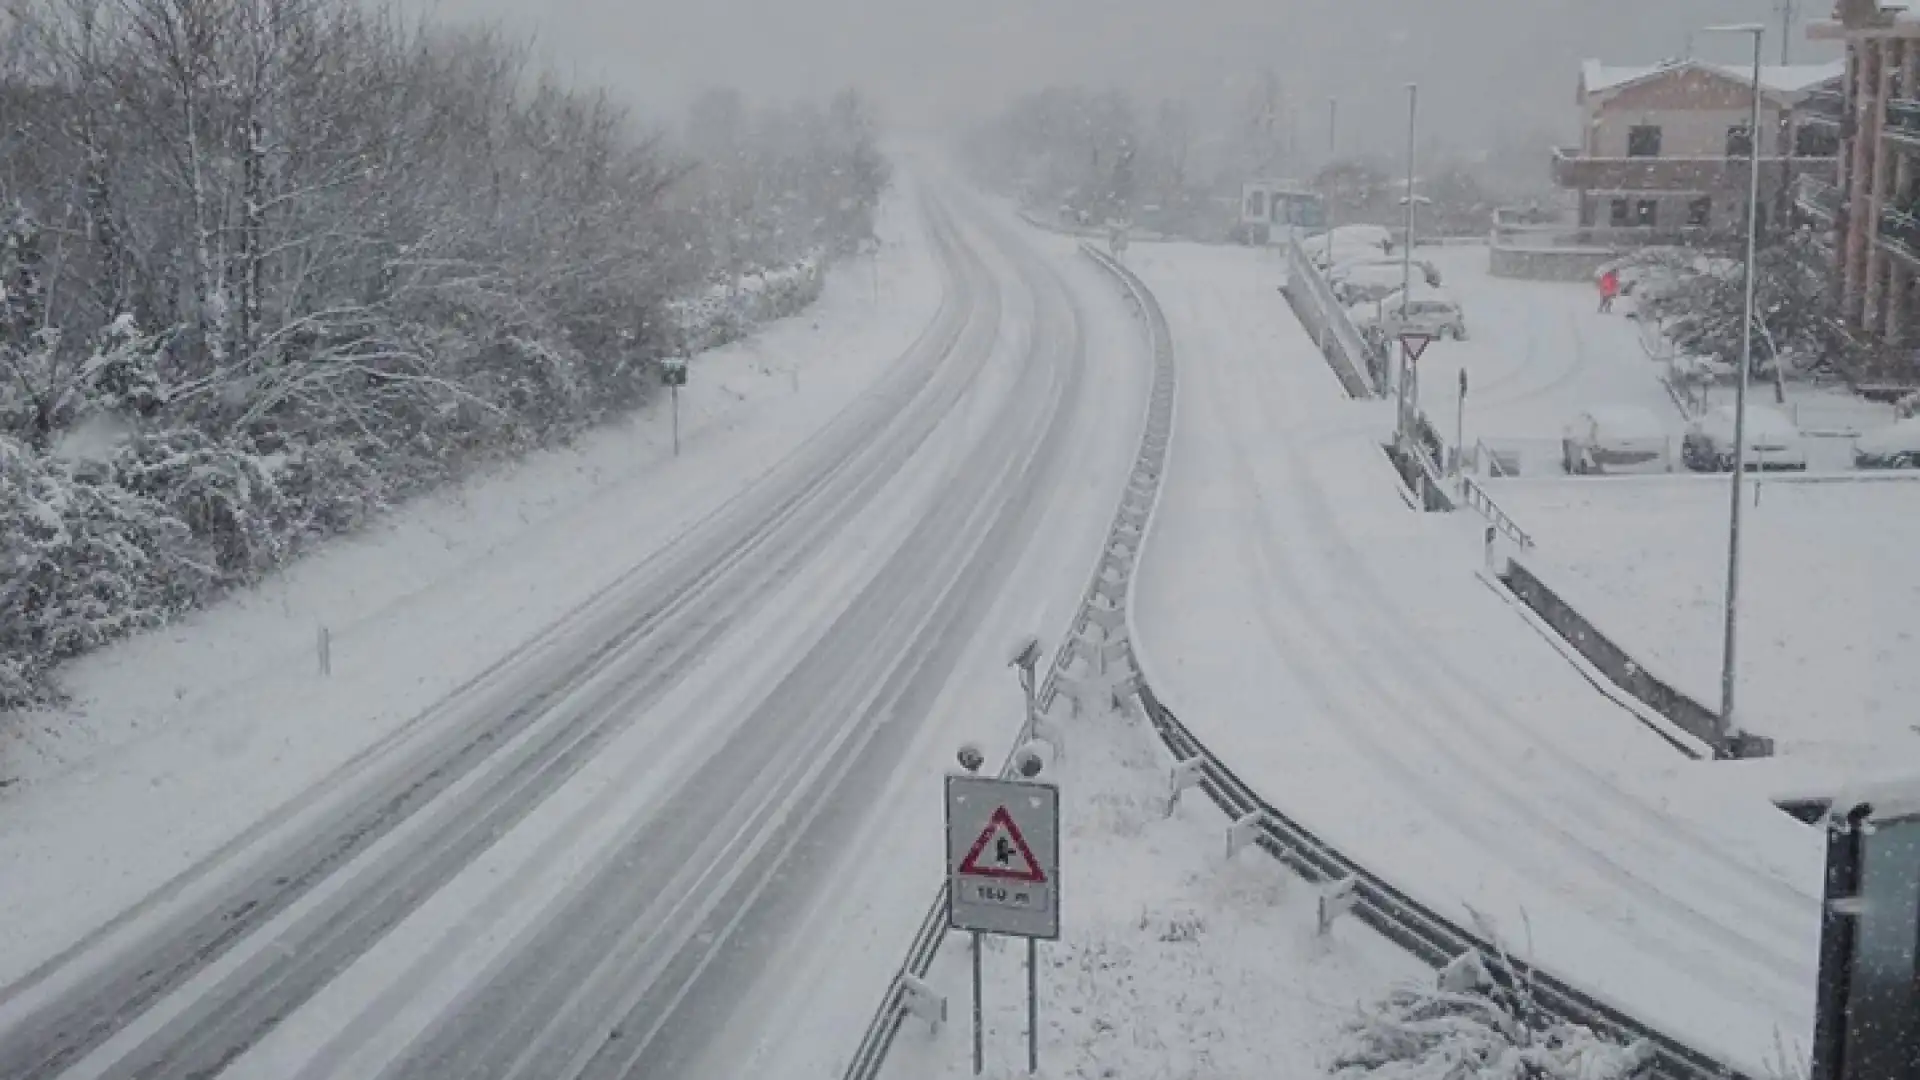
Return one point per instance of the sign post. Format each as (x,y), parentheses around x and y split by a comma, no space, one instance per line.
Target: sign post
(1412,344)
(673,372)
(1003,871)
(1460,425)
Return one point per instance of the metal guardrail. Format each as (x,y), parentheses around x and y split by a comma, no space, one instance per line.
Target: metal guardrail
(1477,498)
(1320,312)
(1406,922)
(1119,552)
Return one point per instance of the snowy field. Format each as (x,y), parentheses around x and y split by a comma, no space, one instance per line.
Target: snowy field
(1173,962)
(1830,612)
(1343,656)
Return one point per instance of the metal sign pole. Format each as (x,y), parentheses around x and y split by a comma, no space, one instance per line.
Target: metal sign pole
(1460,425)
(1033,1006)
(675,390)
(978,1059)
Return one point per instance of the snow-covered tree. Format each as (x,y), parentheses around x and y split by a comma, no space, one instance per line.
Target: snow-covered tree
(1467,1026)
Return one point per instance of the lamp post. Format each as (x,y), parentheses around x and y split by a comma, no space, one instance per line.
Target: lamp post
(1406,268)
(1333,152)
(1729,650)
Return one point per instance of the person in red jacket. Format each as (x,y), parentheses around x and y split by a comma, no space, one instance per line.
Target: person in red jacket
(1609,288)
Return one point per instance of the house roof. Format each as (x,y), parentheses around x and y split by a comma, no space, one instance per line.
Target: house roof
(1599,78)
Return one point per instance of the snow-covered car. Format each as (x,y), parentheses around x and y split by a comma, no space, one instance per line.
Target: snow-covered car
(1773,442)
(1341,252)
(1373,236)
(1377,266)
(1616,439)
(1896,446)
(1432,310)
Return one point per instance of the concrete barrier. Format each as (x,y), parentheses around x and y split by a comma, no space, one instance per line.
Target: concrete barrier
(1622,669)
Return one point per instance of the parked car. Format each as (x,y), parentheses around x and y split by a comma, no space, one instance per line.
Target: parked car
(1896,446)
(1342,251)
(1382,266)
(1616,439)
(1375,236)
(1773,443)
(1432,310)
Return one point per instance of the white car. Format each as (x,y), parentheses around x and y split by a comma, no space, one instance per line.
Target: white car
(1896,446)
(1773,443)
(1616,439)
(1373,236)
(1354,284)
(1432,310)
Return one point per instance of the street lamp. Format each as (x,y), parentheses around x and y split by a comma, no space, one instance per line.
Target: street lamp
(1729,650)
(1406,268)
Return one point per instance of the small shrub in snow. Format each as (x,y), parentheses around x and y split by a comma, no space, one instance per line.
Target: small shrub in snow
(1466,1026)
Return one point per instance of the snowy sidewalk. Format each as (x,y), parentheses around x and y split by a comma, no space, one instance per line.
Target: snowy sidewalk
(1339,652)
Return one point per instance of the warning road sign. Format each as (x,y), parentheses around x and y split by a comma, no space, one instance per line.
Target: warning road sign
(1003,844)
(1415,342)
(1006,852)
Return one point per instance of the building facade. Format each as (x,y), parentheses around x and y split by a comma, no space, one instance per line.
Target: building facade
(1664,148)
(1875,204)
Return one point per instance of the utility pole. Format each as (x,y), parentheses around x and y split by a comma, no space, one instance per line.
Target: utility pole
(1786,32)
(1406,264)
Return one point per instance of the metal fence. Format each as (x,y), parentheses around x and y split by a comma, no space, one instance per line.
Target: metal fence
(1348,353)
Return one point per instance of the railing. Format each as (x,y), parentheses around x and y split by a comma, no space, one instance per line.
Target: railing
(1900,230)
(1112,571)
(1816,196)
(1903,117)
(1657,174)
(1477,498)
(1327,322)
(1828,105)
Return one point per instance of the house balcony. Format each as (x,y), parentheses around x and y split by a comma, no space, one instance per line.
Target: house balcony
(1903,122)
(1817,198)
(1900,231)
(1678,174)
(1829,107)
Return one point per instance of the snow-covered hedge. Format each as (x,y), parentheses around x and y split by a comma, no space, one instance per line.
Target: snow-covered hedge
(1465,1026)
(723,312)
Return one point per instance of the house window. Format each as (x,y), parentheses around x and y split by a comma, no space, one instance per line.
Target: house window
(1700,212)
(1643,140)
(1621,214)
(1816,140)
(1256,206)
(1739,141)
(1646,213)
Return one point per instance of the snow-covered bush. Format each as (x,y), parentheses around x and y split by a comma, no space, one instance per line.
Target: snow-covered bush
(1467,1026)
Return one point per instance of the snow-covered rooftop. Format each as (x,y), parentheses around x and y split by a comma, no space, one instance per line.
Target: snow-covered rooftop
(1787,79)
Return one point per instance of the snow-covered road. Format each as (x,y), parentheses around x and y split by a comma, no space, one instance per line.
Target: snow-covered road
(1340,652)
(591,859)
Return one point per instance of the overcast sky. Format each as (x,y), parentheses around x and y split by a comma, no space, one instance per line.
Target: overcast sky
(1485,66)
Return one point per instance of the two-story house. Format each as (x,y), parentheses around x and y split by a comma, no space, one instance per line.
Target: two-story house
(1665,148)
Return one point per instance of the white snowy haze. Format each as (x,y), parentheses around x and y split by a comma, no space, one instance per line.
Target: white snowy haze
(1488,69)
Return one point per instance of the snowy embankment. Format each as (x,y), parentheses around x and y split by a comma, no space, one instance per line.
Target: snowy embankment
(1830,596)
(177,740)
(1342,655)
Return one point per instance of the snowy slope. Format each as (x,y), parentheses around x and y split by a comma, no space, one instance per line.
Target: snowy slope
(1339,652)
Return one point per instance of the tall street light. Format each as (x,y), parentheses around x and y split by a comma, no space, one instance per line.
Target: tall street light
(1406,265)
(1729,651)
(1333,151)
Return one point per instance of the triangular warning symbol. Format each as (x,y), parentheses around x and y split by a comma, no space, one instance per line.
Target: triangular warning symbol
(1001,852)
